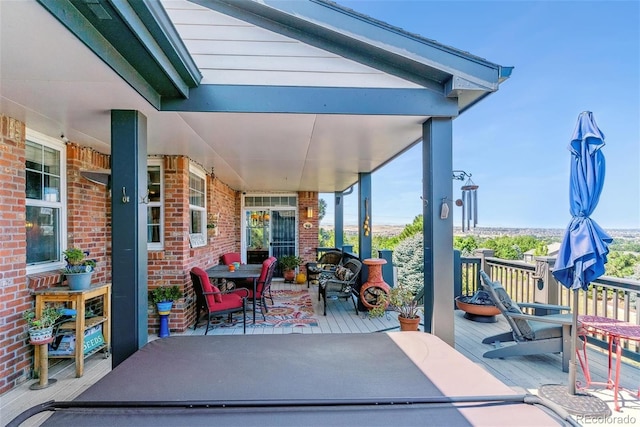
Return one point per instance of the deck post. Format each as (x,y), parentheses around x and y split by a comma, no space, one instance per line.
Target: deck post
(338,218)
(483,254)
(547,290)
(128,233)
(437,184)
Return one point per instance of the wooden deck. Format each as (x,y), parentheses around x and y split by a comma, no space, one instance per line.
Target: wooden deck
(522,373)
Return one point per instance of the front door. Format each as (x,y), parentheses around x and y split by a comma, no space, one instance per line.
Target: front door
(283,233)
(269,224)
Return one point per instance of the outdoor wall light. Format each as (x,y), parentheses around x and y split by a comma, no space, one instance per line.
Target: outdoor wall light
(309,212)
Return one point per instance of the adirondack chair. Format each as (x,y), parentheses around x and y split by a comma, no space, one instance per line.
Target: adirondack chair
(532,334)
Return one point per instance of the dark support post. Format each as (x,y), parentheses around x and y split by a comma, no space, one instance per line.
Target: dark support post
(128,233)
(387,269)
(364,219)
(338,218)
(437,186)
(457,275)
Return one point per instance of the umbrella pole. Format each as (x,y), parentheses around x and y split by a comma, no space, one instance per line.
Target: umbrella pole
(573,365)
(582,404)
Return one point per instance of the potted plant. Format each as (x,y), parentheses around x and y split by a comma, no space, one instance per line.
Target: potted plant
(41,329)
(402,300)
(163,297)
(289,263)
(79,268)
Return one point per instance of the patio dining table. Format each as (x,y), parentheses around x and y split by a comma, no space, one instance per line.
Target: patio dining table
(244,271)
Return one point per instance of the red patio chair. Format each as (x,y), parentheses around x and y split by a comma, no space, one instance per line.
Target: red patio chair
(231,257)
(263,285)
(218,303)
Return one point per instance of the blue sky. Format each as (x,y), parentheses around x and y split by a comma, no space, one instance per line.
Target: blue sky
(569,56)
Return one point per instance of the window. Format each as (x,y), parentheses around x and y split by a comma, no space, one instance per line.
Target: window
(45,223)
(197,201)
(155,208)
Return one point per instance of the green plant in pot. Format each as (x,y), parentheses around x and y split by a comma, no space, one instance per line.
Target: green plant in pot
(79,268)
(166,295)
(163,297)
(401,299)
(41,328)
(289,263)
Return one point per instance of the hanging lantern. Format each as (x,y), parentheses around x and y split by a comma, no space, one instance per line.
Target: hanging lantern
(469,202)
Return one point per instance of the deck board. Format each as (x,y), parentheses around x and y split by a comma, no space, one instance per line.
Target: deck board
(526,372)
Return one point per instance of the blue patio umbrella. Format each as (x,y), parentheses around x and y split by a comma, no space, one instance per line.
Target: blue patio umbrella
(584,249)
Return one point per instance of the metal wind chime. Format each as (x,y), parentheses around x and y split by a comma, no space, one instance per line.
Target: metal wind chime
(468,201)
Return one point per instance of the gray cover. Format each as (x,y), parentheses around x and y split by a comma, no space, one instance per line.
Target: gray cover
(366,368)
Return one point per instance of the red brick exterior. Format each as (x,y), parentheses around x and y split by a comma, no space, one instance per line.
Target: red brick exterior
(89,209)
(89,227)
(307,237)
(15,352)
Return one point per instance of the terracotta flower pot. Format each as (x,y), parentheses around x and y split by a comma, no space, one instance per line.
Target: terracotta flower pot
(289,275)
(408,324)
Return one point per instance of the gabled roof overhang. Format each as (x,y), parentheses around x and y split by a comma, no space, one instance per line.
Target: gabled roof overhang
(136,39)
(444,70)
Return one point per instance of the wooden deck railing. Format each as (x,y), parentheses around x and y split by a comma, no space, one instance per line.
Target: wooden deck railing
(469,275)
(517,277)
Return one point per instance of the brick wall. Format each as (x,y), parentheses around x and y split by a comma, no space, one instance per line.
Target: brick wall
(307,237)
(89,209)
(171,266)
(15,352)
(166,266)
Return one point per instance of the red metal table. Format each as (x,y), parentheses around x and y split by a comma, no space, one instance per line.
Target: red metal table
(615,330)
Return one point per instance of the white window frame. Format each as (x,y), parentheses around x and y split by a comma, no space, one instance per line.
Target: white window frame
(156,246)
(200,173)
(55,144)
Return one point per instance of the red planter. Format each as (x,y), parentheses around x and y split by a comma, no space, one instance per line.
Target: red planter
(289,275)
(408,324)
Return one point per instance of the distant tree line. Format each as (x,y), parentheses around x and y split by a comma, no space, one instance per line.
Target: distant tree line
(407,248)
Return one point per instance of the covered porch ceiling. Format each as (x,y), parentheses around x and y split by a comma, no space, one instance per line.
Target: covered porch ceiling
(284,96)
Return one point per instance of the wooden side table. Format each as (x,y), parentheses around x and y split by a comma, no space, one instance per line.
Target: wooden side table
(77,301)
